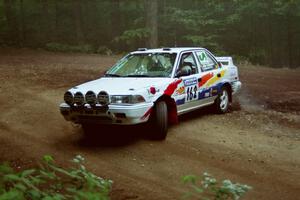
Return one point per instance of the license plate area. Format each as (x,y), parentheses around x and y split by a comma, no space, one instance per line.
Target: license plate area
(97,110)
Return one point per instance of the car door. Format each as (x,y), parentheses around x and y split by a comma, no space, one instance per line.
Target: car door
(210,77)
(188,89)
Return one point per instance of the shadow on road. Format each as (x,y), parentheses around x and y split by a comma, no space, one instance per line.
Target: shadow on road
(197,114)
(118,136)
(111,136)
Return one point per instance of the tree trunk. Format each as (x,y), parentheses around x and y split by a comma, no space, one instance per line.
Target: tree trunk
(45,22)
(270,60)
(116,25)
(115,19)
(290,35)
(77,17)
(23,25)
(56,28)
(151,22)
(11,22)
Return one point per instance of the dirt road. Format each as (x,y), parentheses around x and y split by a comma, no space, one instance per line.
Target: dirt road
(257,143)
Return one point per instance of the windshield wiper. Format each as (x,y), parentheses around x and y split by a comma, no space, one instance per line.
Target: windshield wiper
(137,75)
(112,75)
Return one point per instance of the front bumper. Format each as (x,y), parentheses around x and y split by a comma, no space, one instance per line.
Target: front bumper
(236,86)
(111,114)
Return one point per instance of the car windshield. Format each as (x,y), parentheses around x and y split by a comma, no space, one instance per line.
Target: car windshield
(144,65)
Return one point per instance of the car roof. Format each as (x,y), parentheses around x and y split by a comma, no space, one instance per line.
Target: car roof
(166,50)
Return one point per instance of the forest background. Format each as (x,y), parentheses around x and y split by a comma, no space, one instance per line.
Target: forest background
(261,32)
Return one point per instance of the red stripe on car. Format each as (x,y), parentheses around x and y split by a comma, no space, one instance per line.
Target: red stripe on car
(147,113)
(205,78)
(172,87)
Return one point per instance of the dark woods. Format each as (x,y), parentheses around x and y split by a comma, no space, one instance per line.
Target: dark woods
(263,32)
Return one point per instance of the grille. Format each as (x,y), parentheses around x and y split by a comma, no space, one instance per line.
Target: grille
(85,118)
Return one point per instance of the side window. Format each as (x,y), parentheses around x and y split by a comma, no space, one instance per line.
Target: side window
(188,62)
(207,63)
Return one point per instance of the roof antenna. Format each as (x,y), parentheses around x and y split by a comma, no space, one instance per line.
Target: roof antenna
(175,44)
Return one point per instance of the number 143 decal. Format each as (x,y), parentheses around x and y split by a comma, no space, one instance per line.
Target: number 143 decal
(191,93)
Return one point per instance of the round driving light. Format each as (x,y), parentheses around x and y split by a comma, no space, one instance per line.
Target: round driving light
(90,98)
(69,98)
(103,98)
(78,99)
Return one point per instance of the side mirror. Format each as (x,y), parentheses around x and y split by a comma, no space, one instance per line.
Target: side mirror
(185,71)
(220,64)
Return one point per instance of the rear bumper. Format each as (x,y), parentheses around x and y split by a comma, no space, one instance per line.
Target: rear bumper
(111,114)
(236,86)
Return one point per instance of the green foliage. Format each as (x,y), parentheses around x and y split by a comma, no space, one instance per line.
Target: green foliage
(207,187)
(104,51)
(191,27)
(57,47)
(70,48)
(133,38)
(51,182)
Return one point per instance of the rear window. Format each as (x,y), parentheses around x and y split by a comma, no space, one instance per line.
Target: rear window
(225,63)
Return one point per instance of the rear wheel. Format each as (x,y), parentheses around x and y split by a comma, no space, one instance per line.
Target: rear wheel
(222,102)
(160,121)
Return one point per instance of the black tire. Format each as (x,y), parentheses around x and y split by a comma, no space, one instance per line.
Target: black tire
(222,102)
(160,121)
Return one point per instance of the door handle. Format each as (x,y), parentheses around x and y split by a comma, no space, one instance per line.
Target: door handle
(219,75)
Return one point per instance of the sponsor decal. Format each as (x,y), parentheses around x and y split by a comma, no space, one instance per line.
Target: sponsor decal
(215,79)
(191,93)
(172,87)
(202,57)
(180,90)
(212,91)
(191,81)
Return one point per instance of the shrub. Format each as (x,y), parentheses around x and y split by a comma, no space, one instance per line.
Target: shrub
(208,188)
(51,182)
(104,51)
(57,47)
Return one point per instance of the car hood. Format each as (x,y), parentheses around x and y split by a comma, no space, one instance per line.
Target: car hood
(120,86)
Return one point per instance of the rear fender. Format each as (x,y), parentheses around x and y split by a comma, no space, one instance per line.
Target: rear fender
(229,89)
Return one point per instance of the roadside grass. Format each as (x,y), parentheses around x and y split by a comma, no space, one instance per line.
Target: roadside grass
(48,181)
(206,187)
(51,182)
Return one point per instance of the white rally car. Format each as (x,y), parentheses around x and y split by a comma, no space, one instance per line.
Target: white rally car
(155,86)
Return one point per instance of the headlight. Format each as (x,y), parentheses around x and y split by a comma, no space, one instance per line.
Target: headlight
(126,99)
(90,98)
(103,98)
(78,99)
(69,98)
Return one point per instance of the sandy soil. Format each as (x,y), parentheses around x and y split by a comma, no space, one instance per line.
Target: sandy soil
(257,143)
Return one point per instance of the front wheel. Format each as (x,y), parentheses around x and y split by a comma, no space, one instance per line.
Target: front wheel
(160,121)
(222,102)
